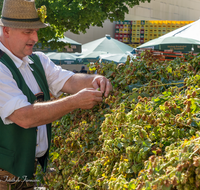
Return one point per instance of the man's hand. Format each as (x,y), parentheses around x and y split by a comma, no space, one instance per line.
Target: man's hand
(88,98)
(103,83)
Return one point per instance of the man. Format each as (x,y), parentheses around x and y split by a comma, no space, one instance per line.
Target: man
(83,70)
(26,78)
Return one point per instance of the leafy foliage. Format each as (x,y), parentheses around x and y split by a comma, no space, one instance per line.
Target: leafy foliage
(78,15)
(145,135)
(1,5)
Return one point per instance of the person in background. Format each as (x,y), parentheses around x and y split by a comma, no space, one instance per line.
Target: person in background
(26,81)
(83,70)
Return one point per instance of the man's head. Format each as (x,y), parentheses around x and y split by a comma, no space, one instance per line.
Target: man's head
(19,41)
(83,68)
(20,23)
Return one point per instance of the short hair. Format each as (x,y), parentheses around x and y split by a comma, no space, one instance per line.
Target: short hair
(83,67)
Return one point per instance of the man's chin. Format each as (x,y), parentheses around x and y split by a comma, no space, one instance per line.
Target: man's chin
(29,52)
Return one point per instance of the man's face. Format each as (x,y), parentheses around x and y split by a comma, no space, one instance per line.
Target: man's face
(20,41)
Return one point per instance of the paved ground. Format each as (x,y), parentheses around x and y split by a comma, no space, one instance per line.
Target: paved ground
(39,188)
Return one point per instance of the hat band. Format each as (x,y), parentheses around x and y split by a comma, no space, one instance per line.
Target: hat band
(21,20)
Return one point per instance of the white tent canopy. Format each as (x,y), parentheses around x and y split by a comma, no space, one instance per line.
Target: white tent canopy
(117,58)
(191,30)
(106,44)
(184,39)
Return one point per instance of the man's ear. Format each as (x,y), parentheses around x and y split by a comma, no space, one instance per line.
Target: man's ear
(6,31)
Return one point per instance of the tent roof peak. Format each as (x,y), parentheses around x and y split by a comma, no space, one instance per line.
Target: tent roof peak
(108,36)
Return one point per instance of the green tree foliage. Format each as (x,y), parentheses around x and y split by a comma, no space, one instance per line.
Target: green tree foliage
(78,15)
(1,4)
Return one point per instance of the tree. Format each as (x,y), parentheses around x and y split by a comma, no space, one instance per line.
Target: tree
(1,5)
(78,15)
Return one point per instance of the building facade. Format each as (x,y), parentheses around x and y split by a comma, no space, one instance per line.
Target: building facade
(181,10)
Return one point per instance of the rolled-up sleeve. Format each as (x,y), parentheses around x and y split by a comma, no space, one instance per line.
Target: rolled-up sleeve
(56,76)
(12,105)
(12,97)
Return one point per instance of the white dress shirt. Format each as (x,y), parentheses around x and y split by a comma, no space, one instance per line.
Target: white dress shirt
(12,98)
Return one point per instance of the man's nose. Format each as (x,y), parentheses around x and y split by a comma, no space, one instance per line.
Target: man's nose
(35,36)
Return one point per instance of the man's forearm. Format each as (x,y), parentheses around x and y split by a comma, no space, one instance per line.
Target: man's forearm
(77,82)
(47,112)
(42,113)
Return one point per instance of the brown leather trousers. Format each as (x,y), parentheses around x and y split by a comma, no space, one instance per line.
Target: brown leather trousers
(10,182)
